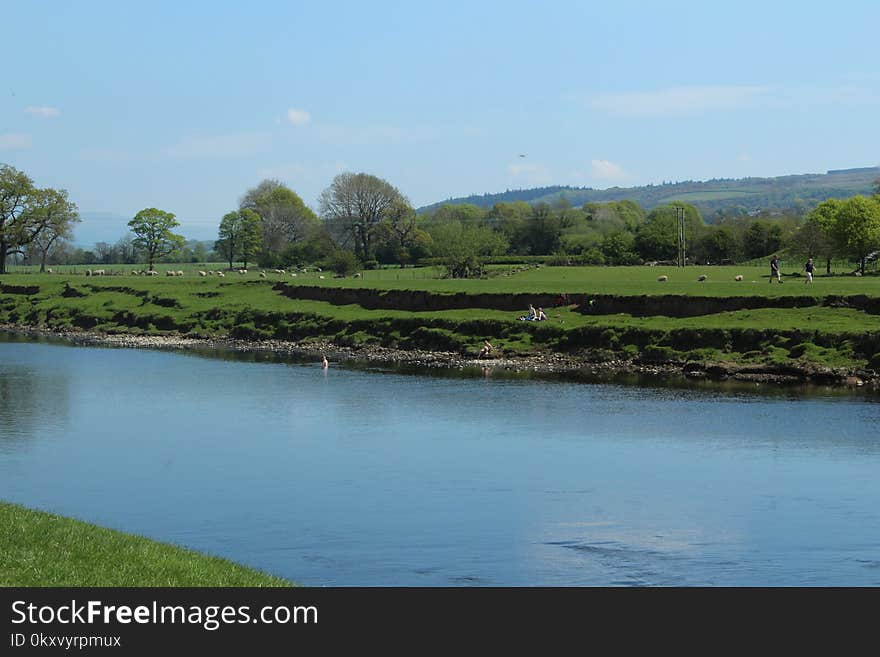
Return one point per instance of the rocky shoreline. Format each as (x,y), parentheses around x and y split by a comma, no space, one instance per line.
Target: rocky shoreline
(546,364)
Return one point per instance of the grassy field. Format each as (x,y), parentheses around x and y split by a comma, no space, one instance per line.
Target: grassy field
(629,281)
(41,549)
(248,307)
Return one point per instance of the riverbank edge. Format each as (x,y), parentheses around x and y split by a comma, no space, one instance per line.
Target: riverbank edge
(47,549)
(547,364)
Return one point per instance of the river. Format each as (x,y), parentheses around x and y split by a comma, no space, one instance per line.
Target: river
(348,477)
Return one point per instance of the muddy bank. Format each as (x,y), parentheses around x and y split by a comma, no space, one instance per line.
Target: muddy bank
(668,305)
(581,366)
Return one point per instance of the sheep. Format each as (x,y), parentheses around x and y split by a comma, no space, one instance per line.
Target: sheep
(702,278)
(262,274)
(153,272)
(356,275)
(88,272)
(203,273)
(98,272)
(48,271)
(321,277)
(168,272)
(738,277)
(221,274)
(134,272)
(178,273)
(293,274)
(211,272)
(662,279)
(242,271)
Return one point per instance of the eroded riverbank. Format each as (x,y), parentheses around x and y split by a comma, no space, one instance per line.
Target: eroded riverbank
(580,366)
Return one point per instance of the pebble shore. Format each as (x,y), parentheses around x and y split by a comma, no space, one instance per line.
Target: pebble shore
(542,364)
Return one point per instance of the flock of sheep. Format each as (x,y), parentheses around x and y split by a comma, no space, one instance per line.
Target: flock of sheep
(701,278)
(178,272)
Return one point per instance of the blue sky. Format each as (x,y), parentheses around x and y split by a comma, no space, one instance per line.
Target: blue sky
(185,105)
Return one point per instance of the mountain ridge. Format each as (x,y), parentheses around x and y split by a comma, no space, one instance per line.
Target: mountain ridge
(713,196)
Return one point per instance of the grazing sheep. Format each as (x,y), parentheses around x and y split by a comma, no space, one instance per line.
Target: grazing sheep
(168,272)
(99,272)
(203,273)
(242,271)
(293,274)
(318,269)
(178,273)
(321,277)
(356,275)
(135,272)
(662,279)
(211,272)
(48,271)
(88,272)
(738,277)
(221,274)
(262,274)
(702,277)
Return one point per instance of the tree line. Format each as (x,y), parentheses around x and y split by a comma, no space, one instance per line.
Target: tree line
(363,221)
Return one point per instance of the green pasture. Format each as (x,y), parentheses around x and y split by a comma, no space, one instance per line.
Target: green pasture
(624,281)
(248,307)
(42,549)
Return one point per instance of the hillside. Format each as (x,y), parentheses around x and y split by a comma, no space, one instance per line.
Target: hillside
(710,196)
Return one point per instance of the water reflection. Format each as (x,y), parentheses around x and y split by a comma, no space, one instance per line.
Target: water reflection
(33,400)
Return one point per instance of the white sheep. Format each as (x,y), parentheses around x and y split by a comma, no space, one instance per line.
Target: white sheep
(293,274)
(738,277)
(48,271)
(262,274)
(203,273)
(221,274)
(702,277)
(321,277)
(242,271)
(662,279)
(178,273)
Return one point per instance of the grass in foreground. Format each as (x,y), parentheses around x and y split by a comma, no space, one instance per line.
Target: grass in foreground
(42,549)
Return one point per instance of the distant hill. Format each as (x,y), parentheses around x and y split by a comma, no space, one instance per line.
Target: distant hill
(710,196)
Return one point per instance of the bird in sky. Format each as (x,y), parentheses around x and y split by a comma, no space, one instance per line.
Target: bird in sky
(521,155)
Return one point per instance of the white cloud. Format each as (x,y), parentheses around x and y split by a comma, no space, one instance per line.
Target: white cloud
(12,141)
(42,112)
(215,146)
(298,116)
(678,100)
(605,170)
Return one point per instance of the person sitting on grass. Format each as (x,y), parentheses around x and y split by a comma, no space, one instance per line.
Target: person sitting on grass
(541,315)
(532,316)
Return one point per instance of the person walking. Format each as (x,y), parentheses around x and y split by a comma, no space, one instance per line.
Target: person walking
(808,269)
(774,270)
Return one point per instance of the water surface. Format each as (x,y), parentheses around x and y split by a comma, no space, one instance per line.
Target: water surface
(350,477)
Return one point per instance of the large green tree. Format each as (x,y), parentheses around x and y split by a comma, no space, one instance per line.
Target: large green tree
(857,229)
(240,236)
(355,205)
(657,238)
(824,220)
(57,214)
(285,219)
(153,235)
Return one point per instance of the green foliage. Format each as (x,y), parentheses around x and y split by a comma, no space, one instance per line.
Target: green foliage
(152,230)
(342,262)
(240,236)
(857,228)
